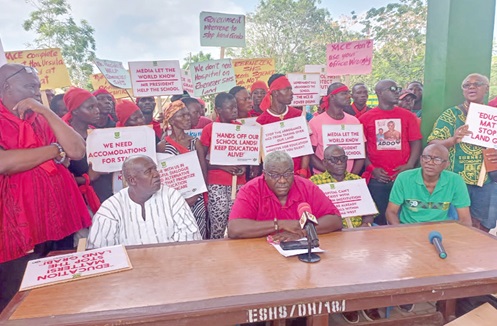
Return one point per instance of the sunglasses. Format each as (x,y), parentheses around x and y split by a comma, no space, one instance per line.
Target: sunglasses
(337,159)
(27,69)
(475,84)
(395,89)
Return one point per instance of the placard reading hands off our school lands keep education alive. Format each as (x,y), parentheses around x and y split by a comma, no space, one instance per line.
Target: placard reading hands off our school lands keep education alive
(291,136)
(349,137)
(155,78)
(107,149)
(306,89)
(324,80)
(235,144)
(482,121)
(213,76)
(349,58)
(114,72)
(222,30)
(248,71)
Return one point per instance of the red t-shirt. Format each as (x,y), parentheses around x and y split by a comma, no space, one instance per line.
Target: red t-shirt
(157,128)
(202,122)
(218,177)
(257,202)
(388,147)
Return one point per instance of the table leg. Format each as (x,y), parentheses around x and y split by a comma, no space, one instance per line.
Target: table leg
(448,309)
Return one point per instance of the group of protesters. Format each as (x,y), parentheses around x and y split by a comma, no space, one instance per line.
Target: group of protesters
(50,193)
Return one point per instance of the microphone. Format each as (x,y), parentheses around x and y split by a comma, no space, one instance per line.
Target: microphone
(308,222)
(436,240)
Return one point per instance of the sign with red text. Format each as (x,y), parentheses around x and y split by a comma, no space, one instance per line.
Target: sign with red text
(235,144)
(222,30)
(248,71)
(290,136)
(114,72)
(3,59)
(183,173)
(252,121)
(324,79)
(155,78)
(348,137)
(52,70)
(107,149)
(305,88)
(75,266)
(349,58)
(351,198)
(117,182)
(482,121)
(98,81)
(213,76)
(186,80)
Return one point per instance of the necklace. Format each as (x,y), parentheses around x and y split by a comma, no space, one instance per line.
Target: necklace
(281,116)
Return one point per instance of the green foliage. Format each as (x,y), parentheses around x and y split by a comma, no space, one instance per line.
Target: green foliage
(199,57)
(54,26)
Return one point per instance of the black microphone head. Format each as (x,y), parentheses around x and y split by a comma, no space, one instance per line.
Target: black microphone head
(433,235)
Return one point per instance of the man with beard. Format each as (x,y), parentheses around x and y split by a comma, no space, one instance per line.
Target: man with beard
(416,88)
(360,97)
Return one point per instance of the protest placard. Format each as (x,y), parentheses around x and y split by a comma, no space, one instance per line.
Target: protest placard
(248,71)
(186,80)
(252,121)
(98,81)
(349,137)
(155,78)
(349,58)
(50,65)
(224,30)
(75,266)
(305,88)
(235,144)
(482,121)
(183,173)
(114,72)
(291,136)
(324,79)
(351,198)
(117,182)
(195,133)
(107,149)
(213,76)
(3,59)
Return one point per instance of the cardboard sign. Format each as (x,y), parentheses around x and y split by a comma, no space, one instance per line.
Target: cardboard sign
(349,137)
(482,121)
(234,144)
(195,133)
(183,173)
(324,80)
(98,81)
(75,266)
(3,59)
(155,78)
(351,198)
(52,70)
(349,58)
(248,121)
(108,148)
(186,81)
(291,136)
(213,76)
(305,88)
(114,72)
(248,71)
(223,30)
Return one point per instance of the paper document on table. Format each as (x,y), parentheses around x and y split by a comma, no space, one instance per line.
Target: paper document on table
(295,252)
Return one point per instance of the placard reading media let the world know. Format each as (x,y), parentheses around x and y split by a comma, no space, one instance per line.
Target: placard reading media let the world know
(217,29)
(235,144)
(114,72)
(482,121)
(349,137)
(349,58)
(213,76)
(155,78)
(291,136)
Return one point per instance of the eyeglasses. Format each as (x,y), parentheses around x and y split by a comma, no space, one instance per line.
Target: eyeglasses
(28,69)
(475,84)
(395,89)
(436,160)
(277,176)
(337,159)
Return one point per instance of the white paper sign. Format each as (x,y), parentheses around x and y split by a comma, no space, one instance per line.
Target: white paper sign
(351,198)
(349,137)
(290,136)
(117,182)
(183,173)
(114,72)
(217,29)
(248,121)
(235,144)
(482,121)
(75,266)
(155,78)
(305,88)
(107,149)
(324,80)
(3,59)
(186,80)
(213,76)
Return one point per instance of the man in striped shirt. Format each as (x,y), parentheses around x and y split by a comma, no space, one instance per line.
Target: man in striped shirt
(146,212)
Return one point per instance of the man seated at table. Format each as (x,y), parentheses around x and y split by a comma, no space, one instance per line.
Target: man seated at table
(143,213)
(269,204)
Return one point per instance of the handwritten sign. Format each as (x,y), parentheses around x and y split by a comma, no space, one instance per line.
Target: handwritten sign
(349,137)
(351,198)
(114,72)
(235,144)
(324,80)
(3,59)
(75,266)
(291,136)
(349,58)
(98,81)
(306,89)
(224,30)
(248,71)
(213,76)
(248,121)
(183,173)
(107,149)
(51,68)
(482,121)
(186,81)
(155,78)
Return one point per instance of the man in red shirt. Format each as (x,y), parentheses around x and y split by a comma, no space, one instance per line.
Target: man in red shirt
(147,106)
(360,97)
(269,204)
(387,157)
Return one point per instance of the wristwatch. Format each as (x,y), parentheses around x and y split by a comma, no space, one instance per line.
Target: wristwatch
(62,154)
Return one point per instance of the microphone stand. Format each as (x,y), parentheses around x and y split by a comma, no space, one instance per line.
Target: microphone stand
(309,257)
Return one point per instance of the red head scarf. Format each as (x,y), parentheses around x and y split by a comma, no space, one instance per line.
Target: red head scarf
(280,83)
(258,85)
(325,104)
(73,99)
(124,110)
(103,91)
(202,102)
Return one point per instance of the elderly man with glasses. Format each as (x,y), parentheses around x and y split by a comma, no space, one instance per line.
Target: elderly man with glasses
(268,204)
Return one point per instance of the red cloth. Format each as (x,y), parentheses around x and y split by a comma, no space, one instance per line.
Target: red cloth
(181,149)
(493,102)
(202,122)
(410,131)
(157,128)
(89,194)
(258,85)
(325,103)
(358,112)
(124,110)
(104,91)
(40,204)
(73,99)
(254,113)
(280,83)
(256,201)
(218,177)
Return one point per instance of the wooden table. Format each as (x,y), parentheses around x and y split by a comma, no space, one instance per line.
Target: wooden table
(234,281)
